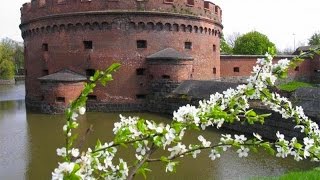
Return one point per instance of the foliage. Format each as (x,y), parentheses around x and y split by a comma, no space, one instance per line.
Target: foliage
(313,174)
(293,85)
(308,175)
(252,43)
(225,48)
(6,63)
(314,39)
(11,58)
(147,137)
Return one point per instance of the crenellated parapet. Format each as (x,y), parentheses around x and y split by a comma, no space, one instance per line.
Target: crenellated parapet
(42,8)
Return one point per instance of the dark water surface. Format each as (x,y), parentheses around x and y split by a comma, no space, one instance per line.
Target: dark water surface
(28,143)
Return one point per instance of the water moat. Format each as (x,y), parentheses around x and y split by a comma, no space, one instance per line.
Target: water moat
(28,143)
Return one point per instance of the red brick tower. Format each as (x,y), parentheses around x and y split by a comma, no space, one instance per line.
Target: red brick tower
(85,35)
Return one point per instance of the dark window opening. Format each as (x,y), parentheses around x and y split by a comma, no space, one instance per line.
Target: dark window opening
(140,71)
(192,69)
(165,77)
(87,44)
(141,44)
(191,76)
(60,99)
(214,48)
(236,69)
(297,68)
(141,96)
(188,45)
(90,72)
(190,2)
(42,98)
(141,84)
(45,47)
(216,9)
(214,70)
(206,5)
(92,97)
(45,72)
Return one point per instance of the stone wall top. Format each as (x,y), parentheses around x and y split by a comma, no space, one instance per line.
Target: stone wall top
(41,8)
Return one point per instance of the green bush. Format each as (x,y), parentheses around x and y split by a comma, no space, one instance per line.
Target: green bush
(252,43)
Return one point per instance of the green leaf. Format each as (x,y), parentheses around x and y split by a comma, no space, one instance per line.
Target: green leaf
(114,67)
(164,159)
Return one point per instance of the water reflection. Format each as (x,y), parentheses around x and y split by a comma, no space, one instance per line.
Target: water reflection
(13,140)
(28,143)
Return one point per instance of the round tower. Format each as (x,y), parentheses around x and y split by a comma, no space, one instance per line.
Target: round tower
(86,35)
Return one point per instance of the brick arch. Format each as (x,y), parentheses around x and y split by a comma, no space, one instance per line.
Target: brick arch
(87,26)
(189,28)
(79,27)
(183,27)
(70,27)
(175,27)
(167,27)
(105,26)
(95,26)
(141,26)
(196,29)
(201,29)
(55,28)
(48,29)
(62,27)
(132,25)
(159,26)
(150,26)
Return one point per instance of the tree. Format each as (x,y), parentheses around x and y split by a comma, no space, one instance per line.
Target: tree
(314,39)
(7,68)
(231,38)
(225,48)
(11,58)
(252,43)
(147,137)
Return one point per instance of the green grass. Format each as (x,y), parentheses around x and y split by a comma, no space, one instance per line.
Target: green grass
(293,85)
(305,175)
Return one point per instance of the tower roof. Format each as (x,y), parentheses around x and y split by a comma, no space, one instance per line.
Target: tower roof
(64,75)
(169,54)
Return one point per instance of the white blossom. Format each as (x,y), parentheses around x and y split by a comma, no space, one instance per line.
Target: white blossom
(74,116)
(170,166)
(214,154)
(75,152)
(62,152)
(243,151)
(82,110)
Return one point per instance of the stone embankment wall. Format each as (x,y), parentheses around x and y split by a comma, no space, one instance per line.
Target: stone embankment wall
(7,82)
(190,92)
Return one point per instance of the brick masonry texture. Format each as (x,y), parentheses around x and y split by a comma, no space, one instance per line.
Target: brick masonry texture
(88,35)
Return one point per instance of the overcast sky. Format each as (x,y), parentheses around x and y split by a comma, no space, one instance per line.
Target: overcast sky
(278,19)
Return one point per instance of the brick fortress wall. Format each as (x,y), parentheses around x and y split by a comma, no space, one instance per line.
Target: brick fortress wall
(83,36)
(237,68)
